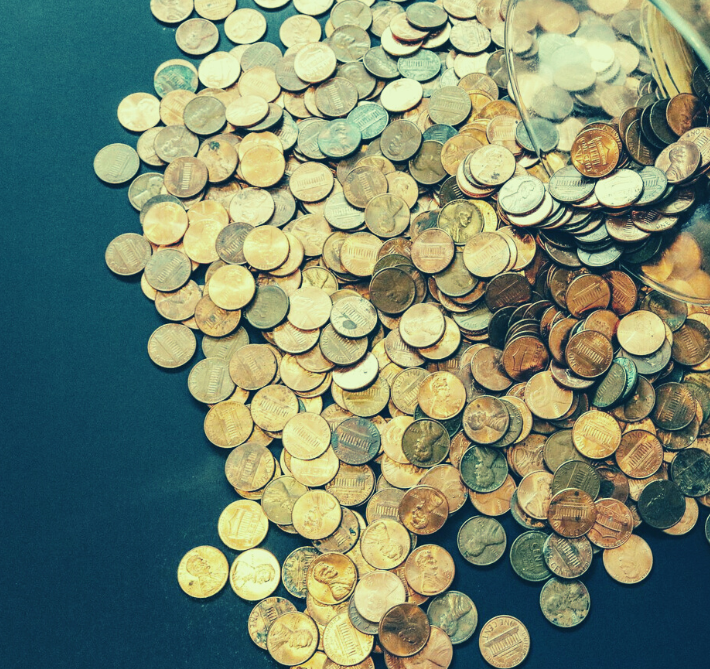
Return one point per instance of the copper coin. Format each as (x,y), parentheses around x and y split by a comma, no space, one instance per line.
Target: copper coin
(423,510)
(404,630)
(504,642)
(631,562)
(572,513)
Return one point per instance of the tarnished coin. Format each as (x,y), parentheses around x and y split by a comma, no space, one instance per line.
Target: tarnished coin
(203,572)
(455,613)
(295,569)
(279,497)
(565,603)
(481,540)
(116,163)
(567,558)
(526,556)
(425,443)
(128,254)
(483,469)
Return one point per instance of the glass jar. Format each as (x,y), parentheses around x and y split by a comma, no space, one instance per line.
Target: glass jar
(575,62)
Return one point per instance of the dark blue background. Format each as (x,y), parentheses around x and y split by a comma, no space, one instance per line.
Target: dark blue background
(107,479)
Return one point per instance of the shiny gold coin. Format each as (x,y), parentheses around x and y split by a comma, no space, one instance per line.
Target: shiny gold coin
(504,642)
(228,424)
(255,574)
(243,525)
(596,434)
(203,572)
(344,644)
(292,639)
(385,544)
(232,287)
(263,615)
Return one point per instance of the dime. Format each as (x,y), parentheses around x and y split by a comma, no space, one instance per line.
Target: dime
(203,572)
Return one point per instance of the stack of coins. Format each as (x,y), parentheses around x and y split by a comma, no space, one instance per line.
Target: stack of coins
(385,342)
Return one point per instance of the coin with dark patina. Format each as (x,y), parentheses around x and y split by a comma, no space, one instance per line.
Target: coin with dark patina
(483,469)
(661,504)
(404,630)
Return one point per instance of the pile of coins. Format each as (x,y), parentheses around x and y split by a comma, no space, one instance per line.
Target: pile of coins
(371,225)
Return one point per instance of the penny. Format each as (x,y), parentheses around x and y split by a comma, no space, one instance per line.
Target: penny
(481,540)
(292,638)
(564,603)
(688,521)
(495,503)
(356,441)
(128,254)
(116,163)
(263,616)
(255,574)
(258,475)
(526,556)
(595,153)
(546,398)
(425,443)
(455,614)
(385,543)
(567,558)
(596,435)
(690,470)
(571,513)
(242,525)
(171,345)
(429,570)
(641,332)
(675,406)
(629,563)
(504,641)
(203,572)
(209,381)
(423,510)
(613,524)
(171,12)
(404,630)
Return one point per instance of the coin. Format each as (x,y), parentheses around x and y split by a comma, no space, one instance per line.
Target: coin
(572,513)
(455,613)
(429,570)
(504,641)
(629,563)
(116,163)
(292,639)
(404,630)
(481,540)
(564,603)
(203,572)
(423,510)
